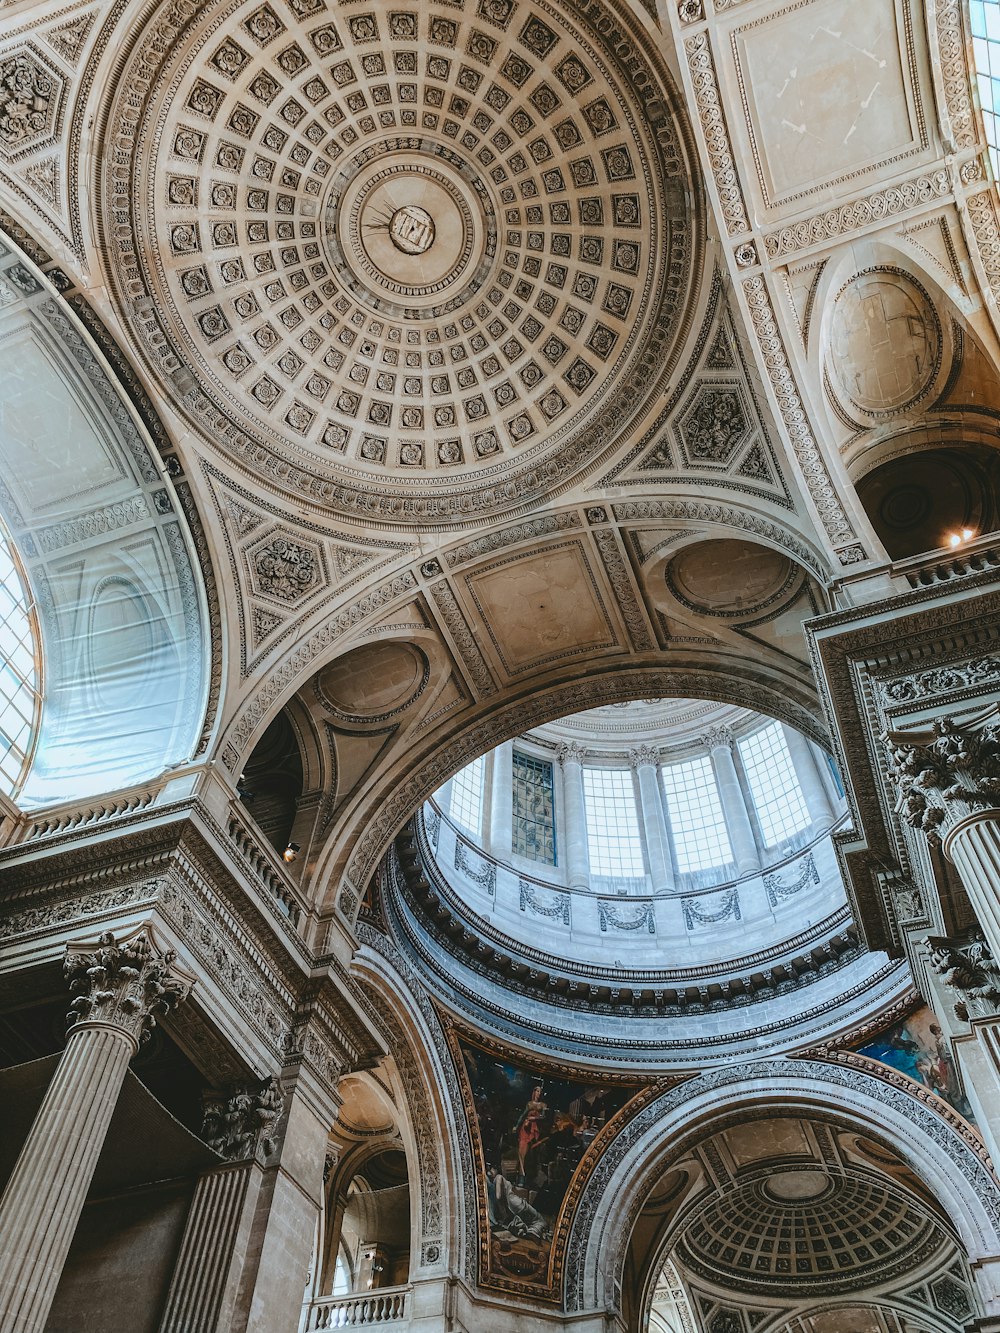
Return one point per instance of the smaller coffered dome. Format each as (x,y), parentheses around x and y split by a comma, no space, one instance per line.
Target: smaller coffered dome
(808,1229)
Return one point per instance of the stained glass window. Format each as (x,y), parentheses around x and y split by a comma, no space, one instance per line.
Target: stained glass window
(534,809)
(19,683)
(985,16)
(613,837)
(467,797)
(774,786)
(701,839)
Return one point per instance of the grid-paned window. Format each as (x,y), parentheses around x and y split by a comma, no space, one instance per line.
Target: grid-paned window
(613,837)
(774,786)
(18,673)
(467,797)
(985,16)
(534,809)
(701,839)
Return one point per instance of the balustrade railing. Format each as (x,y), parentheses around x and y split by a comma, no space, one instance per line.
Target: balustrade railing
(364,1310)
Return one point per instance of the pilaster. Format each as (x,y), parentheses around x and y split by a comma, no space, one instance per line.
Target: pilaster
(719,742)
(571,758)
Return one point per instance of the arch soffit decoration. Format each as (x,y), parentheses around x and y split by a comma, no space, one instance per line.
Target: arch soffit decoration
(433,1134)
(856,1092)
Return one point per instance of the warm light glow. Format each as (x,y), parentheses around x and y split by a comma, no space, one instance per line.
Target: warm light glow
(957,538)
(291,852)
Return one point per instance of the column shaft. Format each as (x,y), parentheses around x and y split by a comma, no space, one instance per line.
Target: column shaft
(657,844)
(44,1198)
(577,851)
(740,829)
(974,846)
(502,802)
(813,790)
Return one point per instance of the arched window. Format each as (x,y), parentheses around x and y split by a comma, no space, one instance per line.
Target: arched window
(20,673)
(774,785)
(701,839)
(613,837)
(985,16)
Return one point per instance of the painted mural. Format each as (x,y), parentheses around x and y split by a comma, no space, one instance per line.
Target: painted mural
(537,1135)
(918,1047)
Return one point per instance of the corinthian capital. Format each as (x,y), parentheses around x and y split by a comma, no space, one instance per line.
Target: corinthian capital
(571,753)
(717,738)
(128,984)
(966,963)
(240,1124)
(641,755)
(946,771)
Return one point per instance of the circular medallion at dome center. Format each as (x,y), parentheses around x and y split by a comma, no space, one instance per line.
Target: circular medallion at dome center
(407,229)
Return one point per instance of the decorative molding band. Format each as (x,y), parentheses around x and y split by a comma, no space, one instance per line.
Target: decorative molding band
(465,640)
(624,590)
(713,123)
(872,209)
(835,521)
(954,71)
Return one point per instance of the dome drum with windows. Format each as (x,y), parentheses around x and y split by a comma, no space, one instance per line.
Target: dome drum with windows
(643,824)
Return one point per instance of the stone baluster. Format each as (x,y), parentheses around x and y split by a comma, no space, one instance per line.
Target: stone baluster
(119,988)
(810,780)
(502,802)
(241,1125)
(644,760)
(948,781)
(719,742)
(571,758)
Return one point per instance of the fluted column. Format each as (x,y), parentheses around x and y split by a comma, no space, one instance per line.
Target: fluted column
(741,835)
(119,991)
(814,793)
(644,760)
(240,1125)
(502,802)
(571,758)
(948,780)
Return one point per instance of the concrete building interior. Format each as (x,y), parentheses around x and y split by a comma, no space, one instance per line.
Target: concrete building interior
(500,666)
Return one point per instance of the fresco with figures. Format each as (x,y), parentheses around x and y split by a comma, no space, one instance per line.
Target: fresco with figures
(918,1046)
(539,1136)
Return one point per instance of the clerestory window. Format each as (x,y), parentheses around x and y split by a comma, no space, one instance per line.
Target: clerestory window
(467,797)
(613,838)
(774,786)
(534,830)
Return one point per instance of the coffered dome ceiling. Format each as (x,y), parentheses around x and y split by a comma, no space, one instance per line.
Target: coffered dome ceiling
(818,1230)
(418,262)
